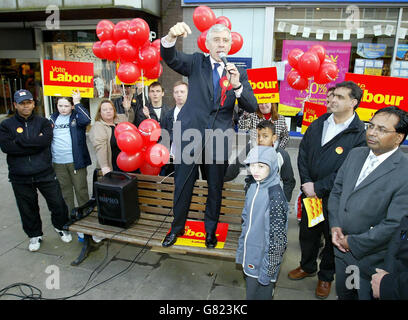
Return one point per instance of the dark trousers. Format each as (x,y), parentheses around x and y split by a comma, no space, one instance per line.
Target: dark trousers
(185,177)
(309,239)
(350,283)
(27,203)
(257,291)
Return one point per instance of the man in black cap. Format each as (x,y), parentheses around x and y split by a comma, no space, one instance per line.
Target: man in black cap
(26,139)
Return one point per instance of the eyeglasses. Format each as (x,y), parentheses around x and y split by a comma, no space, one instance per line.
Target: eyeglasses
(380,130)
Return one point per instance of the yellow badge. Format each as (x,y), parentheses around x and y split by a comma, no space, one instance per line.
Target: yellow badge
(20,130)
(339,150)
(134,101)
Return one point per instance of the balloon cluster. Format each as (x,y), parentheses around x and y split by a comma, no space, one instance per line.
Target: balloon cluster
(204,18)
(128,42)
(139,147)
(313,63)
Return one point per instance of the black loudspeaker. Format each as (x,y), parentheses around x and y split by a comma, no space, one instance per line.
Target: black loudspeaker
(117,199)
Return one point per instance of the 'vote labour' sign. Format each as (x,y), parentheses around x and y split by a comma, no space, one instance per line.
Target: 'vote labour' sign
(264,83)
(379,92)
(62,77)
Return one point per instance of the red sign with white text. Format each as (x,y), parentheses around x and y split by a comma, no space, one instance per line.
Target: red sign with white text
(311,112)
(62,77)
(264,83)
(379,92)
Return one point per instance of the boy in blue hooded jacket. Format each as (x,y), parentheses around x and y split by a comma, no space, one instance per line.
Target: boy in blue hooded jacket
(264,229)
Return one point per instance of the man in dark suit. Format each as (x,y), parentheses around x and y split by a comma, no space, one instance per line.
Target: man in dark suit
(154,108)
(204,123)
(367,203)
(322,151)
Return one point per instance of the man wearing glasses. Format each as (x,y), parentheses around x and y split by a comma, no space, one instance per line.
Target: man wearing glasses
(368,201)
(322,151)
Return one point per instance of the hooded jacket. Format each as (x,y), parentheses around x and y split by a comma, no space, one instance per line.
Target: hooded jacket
(264,229)
(78,122)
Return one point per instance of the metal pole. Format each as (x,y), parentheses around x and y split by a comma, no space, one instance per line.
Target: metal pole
(4,94)
(394,54)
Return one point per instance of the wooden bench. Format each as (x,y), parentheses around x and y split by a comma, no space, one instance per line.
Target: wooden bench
(155,202)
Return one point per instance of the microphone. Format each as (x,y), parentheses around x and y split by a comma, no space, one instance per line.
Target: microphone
(223,58)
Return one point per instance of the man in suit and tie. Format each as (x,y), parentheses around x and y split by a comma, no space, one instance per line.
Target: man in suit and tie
(367,203)
(203,114)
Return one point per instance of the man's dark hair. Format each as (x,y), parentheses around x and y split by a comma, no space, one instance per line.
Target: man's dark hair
(402,125)
(330,89)
(355,90)
(264,124)
(156,84)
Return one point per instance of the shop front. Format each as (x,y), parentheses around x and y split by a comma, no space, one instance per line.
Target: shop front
(366,38)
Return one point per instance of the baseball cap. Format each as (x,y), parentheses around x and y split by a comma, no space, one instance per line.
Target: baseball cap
(21,95)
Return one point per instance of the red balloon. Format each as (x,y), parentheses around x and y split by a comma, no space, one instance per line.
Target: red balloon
(128,72)
(294,56)
(138,32)
(156,44)
(224,20)
(296,81)
(327,73)
(237,42)
(124,126)
(128,162)
(147,168)
(201,42)
(309,64)
(155,72)
(104,30)
(120,31)
(203,18)
(125,51)
(148,58)
(108,49)
(150,131)
(97,50)
(130,142)
(319,50)
(157,155)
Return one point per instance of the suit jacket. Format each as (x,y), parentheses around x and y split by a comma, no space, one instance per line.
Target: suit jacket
(200,112)
(372,212)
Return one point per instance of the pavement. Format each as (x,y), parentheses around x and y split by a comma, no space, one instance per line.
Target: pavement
(118,271)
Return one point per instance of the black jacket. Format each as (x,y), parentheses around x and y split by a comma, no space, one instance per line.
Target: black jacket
(27,145)
(395,284)
(319,164)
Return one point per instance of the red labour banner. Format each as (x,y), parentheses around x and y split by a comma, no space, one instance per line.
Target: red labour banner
(379,92)
(264,82)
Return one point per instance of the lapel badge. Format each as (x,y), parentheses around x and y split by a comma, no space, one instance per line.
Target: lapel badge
(339,150)
(19,130)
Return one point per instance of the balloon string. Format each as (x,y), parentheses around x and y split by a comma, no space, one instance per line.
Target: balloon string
(143,91)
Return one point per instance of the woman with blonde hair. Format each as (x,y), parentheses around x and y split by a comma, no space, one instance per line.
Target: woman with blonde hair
(265,111)
(102,134)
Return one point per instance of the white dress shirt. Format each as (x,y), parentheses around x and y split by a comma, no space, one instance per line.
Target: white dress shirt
(380,159)
(331,129)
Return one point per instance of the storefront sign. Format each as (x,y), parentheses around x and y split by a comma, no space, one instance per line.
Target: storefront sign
(371,50)
(278,1)
(311,112)
(290,99)
(264,82)
(368,66)
(379,92)
(245,63)
(62,77)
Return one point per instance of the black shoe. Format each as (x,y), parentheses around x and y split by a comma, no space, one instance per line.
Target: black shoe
(171,238)
(210,240)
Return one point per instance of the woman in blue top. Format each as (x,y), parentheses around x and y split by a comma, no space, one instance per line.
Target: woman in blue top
(70,155)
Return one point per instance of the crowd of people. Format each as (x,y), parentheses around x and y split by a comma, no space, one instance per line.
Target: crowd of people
(357,172)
